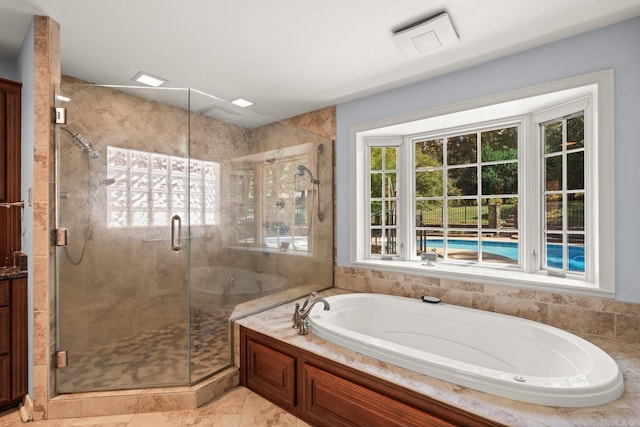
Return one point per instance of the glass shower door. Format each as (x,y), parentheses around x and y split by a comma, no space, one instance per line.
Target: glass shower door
(122,201)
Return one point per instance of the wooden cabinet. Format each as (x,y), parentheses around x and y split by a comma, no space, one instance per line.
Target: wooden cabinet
(10,191)
(13,341)
(272,373)
(325,393)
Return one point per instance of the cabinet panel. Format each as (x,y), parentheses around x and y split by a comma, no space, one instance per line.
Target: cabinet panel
(19,344)
(5,384)
(5,340)
(271,373)
(4,293)
(331,400)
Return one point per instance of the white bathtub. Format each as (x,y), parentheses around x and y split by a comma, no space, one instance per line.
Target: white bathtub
(218,280)
(498,354)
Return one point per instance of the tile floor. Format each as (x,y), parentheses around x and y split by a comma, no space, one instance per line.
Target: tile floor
(238,408)
(154,358)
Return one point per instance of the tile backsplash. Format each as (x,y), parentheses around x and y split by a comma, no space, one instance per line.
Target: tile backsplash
(582,315)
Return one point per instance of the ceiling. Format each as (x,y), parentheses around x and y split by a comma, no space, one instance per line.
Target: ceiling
(290,56)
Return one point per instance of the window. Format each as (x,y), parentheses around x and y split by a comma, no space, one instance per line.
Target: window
(148,188)
(508,191)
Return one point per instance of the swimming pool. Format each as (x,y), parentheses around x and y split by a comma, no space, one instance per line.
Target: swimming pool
(510,250)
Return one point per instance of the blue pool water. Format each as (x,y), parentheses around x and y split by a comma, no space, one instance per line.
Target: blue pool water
(510,250)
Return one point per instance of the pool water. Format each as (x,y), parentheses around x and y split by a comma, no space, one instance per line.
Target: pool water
(510,250)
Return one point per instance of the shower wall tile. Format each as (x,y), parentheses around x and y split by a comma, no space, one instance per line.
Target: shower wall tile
(320,122)
(46,76)
(583,315)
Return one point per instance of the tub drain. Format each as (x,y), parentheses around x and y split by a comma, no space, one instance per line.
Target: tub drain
(519,378)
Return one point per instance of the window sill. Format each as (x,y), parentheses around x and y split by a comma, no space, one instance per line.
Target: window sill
(488,275)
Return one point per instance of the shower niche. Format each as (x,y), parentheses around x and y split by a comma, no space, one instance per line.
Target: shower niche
(182,212)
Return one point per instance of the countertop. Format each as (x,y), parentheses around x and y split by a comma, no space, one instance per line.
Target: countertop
(7,273)
(276,323)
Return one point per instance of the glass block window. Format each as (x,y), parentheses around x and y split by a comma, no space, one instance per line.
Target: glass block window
(150,188)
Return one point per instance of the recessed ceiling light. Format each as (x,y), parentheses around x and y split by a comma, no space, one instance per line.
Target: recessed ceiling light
(148,79)
(242,103)
(63,98)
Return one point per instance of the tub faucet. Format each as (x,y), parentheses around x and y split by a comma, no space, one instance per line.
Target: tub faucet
(230,284)
(301,315)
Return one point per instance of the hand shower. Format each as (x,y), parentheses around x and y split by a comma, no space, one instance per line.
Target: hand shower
(302,169)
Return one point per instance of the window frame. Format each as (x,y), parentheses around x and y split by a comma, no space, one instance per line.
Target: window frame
(599,207)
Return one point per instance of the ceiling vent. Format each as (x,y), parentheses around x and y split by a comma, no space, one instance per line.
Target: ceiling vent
(427,36)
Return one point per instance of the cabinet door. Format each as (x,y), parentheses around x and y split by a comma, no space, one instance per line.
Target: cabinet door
(5,345)
(272,374)
(9,168)
(19,346)
(5,384)
(333,401)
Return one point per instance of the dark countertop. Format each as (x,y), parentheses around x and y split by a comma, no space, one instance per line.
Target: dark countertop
(7,273)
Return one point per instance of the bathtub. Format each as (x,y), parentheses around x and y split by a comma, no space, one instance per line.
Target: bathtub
(219,280)
(503,355)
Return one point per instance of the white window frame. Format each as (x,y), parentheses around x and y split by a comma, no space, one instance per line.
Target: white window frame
(599,278)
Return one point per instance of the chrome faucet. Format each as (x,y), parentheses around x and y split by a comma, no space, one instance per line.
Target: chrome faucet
(300,315)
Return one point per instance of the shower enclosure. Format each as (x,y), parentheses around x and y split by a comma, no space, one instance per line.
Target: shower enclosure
(176,212)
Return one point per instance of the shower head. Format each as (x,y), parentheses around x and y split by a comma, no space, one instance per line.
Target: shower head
(80,142)
(104,183)
(302,169)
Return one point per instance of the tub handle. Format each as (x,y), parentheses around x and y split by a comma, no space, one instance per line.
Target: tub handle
(175,245)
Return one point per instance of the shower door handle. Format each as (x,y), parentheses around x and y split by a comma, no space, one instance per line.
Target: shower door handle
(176,246)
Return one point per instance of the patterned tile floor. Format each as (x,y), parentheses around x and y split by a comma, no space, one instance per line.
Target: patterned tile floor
(155,358)
(238,408)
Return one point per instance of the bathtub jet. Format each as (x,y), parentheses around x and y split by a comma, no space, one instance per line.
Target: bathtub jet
(503,355)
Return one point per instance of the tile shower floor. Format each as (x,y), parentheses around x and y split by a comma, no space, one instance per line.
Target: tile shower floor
(238,408)
(152,359)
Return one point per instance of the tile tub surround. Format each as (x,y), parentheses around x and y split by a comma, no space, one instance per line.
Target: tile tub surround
(276,323)
(581,315)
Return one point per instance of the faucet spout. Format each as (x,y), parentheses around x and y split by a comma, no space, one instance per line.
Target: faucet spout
(300,315)
(326,304)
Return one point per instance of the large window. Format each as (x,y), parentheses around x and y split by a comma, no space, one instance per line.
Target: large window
(507,191)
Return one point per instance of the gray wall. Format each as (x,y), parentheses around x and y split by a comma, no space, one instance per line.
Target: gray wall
(8,70)
(614,47)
